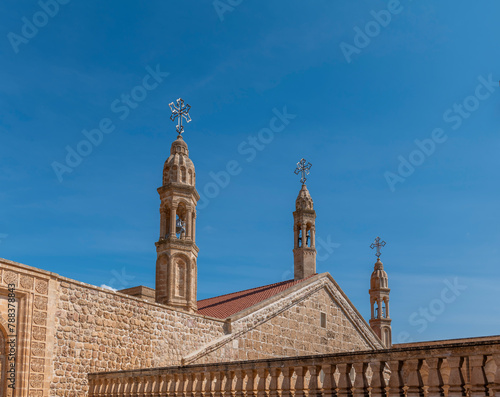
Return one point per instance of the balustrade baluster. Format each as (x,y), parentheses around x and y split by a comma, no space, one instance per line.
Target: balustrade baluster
(344,385)
(456,381)
(434,381)
(217,385)
(199,385)
(328,384)
(299,383)
(377,385)
(238,387)
(360,384)
(228,384)
(287,382)
(413,382)
(273,385)
(250,387)
(477,376)
(312,387)
(496,384)
(396,383)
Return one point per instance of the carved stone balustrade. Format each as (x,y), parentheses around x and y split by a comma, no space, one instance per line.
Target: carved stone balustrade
(470,368)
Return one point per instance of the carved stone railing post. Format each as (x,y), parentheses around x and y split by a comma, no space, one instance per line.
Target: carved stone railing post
(287,381)
(228,384)
(239,375)
(344,385)
(261,384)
(360,384)
(496,385)
(250,388)
(413,382)
(328,384)
(477,376)
(198,391)
(299,383)
(217,385)
(396,383)
(434,381)
(455,382)
(189,385)
(312,387)
(377,384)
(273,384)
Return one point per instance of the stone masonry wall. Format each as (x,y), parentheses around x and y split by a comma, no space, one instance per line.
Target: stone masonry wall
(296,331)
(98,330)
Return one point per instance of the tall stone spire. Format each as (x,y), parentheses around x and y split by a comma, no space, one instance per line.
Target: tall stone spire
(304,217)
(176,269)
(379,291)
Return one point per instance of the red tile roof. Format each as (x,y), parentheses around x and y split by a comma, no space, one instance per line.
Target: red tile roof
(226,305)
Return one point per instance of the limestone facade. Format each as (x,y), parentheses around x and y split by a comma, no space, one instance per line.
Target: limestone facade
(68,329)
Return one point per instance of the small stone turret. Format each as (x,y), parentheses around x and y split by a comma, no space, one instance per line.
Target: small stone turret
(304,251)
(380,321)
(176,269)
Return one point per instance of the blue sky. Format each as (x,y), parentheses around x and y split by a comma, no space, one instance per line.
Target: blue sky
(428,75)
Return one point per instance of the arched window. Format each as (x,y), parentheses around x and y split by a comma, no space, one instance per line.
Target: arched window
(183,174)
(180,278)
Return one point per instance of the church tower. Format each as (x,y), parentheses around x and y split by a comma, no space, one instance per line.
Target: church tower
(380,321)
(304,217)
(176,269)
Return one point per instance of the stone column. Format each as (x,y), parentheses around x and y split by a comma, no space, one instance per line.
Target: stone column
(193,233)
(163,223)
(304,235)
(189,224)
(173,213)
(313,237)
(296,236)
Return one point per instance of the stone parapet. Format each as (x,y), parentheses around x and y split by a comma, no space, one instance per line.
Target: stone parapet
(469,368)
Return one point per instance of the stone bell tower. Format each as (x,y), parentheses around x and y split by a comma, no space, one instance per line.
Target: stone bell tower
(176,269)
(304,250)
(380,321)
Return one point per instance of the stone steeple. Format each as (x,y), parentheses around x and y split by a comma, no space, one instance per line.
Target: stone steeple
(380,321)
(176,269)
(304,250)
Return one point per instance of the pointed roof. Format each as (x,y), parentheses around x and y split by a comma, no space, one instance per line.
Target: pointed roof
(226,305)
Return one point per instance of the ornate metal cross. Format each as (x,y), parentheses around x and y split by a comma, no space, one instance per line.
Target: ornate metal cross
(303,166)
(377,243)
(180,111)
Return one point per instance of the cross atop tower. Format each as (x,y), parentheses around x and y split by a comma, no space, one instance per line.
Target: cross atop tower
(303,167)
(180,111)
(377,244)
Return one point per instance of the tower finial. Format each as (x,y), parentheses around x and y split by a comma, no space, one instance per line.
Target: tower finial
(180,111)
(303,167)
(377,244)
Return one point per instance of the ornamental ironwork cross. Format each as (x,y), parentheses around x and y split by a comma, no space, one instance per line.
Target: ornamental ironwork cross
(303,167)
(180,111)
(377,244)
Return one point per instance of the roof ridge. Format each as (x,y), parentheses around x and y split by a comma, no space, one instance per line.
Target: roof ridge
(250,289)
